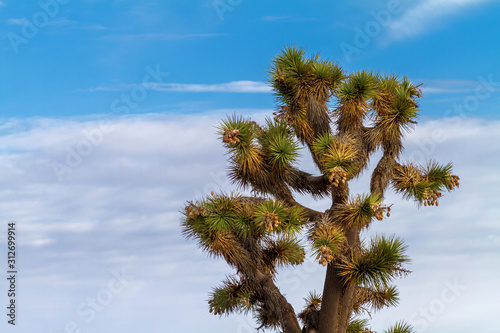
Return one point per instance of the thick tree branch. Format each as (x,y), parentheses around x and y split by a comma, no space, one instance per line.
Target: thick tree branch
(274,304)
(318,118)
(303,182)
(284,194)
(382,174)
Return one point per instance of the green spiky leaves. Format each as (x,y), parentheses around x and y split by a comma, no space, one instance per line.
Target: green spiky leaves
(282,251)
(358,326)
(337,157)
(236,131)
(282,152)
(310,315)
(240,137)
(360,86)
(354,94)
(304,86)
(260,157)
(222,225)
(400,327)
(295,78)
(290,73)
(327,240)
(232,296)
(375,298)
(378,265)
(424,184)
(273,216)
(220,214)
(325,78)
(360,211)
(361,326)
(279,145)
(395,110)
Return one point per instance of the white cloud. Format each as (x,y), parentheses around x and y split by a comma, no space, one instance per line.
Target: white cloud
(426,15)
(160,36)
(94,27)
(120,206)
(443,86)
(229,87)
(18,21)
(431,86)
(287,18)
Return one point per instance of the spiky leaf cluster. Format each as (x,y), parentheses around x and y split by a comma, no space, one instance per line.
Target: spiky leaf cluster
(234,295)
(223,224)
(279,145)
(378,265)
(262,157)
(303,86)
(296,78)
(395,109)
(337,156)
(354,95)
(236,229)
(424,184)
(400,327)
(358,325)
(375,298)
(360,210)
(310,315)
(327,241)
(240,135)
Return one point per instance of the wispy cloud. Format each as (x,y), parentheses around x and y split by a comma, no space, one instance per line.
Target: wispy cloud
(426,15)
(229,87)
(430,86)
(58,22)
(447,86)
(17,21)
(287,18)
(95,27)
(104,88)
(159,36)
(63,22)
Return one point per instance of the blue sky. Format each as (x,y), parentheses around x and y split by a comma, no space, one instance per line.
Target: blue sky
(107,124)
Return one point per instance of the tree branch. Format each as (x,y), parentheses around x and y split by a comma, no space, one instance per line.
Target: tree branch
(274,304)
(383,173)
(284,194)
(303,182)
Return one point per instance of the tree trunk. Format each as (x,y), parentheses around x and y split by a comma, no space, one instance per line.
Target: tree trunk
(338,297)
(331,302)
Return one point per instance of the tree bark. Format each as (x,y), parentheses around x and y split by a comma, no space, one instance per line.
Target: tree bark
(278,303)
(338,297)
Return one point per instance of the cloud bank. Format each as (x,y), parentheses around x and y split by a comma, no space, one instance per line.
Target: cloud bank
(117,213)
(426,14)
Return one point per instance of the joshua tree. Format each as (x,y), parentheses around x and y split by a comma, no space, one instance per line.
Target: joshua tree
(260,233)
